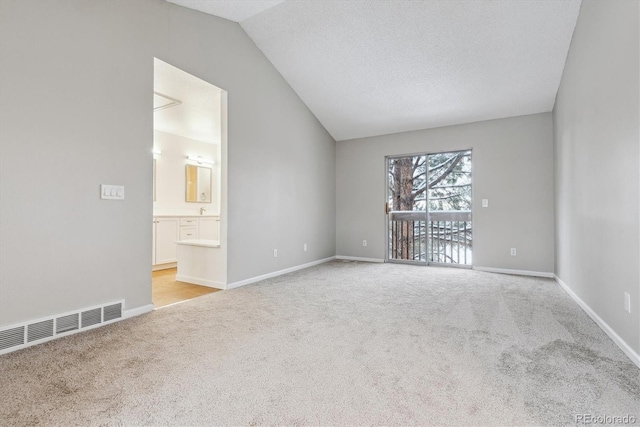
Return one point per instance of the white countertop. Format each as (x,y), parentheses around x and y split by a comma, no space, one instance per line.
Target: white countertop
(200,242)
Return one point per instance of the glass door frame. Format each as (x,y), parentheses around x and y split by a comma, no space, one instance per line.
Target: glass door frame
(387,257)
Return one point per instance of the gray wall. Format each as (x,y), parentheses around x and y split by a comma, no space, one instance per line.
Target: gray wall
(596,126)
(76,83)
(512,167)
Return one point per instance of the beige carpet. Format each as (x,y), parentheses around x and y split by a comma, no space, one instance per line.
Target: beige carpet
(341,343)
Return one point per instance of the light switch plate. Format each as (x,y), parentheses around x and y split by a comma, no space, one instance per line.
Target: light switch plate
(485,203)
(112,192)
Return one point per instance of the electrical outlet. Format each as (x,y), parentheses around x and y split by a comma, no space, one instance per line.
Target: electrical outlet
(627,302)
(513,252)
(364,243)
(275,253)
(304,248)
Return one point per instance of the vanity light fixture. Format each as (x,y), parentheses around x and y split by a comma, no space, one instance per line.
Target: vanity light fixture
(200,160)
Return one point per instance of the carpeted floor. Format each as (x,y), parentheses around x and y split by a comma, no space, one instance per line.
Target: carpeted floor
(340,343)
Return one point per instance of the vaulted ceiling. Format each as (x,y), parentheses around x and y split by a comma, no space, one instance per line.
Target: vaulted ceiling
(184,105)
(373,67)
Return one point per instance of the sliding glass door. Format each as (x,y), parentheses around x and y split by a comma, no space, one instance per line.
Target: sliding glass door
(429,209)
(406,209)
(449,208)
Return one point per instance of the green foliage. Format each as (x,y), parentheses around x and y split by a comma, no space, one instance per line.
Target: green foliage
(446,179)
(450,181)
(446,176)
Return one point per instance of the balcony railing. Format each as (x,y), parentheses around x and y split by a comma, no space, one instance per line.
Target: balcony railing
(408,235)
(446,238)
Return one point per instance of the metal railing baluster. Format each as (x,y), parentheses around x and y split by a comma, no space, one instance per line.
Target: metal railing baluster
(444,238)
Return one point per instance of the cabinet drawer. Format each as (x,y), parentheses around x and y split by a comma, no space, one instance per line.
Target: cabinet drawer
(187,233)
(188,221)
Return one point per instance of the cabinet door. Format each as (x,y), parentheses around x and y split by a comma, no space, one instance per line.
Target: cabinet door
(166,236)
(209,228)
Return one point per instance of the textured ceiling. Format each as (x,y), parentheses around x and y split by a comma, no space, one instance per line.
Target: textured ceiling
(198,114)
(373,67)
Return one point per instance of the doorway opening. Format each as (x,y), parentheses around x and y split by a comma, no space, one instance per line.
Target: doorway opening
(189,186)
(429,205)
(166,290)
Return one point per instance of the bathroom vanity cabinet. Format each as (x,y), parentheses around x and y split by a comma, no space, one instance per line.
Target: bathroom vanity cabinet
(209,228)
(167,229)
(189,228)
(165,236)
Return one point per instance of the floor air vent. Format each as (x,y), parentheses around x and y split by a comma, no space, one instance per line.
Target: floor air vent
(40,330)
(11,337)
(111,312)
(25,334)
(91,317)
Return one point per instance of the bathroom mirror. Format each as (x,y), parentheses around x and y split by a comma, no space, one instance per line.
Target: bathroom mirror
(198,188)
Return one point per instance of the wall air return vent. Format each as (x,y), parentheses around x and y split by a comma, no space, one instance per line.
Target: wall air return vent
(25,334)
(11,337)
(111,312)
(40,330)
(67,323)
(91,317)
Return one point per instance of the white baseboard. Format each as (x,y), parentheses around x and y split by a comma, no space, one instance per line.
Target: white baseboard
(277,273)
(164,266)
(631,354)
(516,272)
(357,258)
(137,311)
(199,281)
